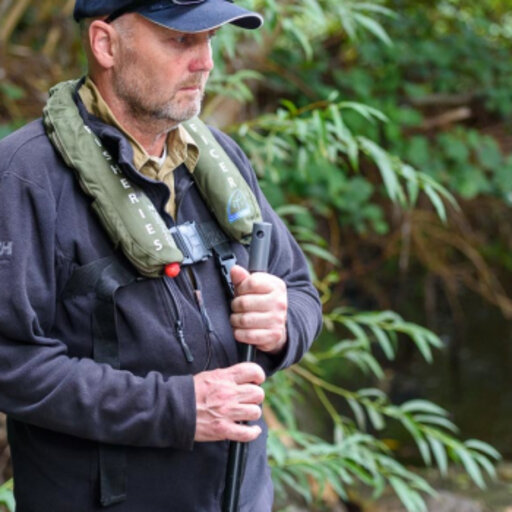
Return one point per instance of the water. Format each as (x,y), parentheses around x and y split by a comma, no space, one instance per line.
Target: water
(471,377)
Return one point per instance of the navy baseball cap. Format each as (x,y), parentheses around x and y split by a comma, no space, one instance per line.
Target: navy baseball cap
(180,15)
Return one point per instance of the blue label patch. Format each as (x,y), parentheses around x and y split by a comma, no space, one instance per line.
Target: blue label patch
(238,207)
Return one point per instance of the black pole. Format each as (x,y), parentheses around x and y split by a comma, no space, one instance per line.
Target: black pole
(258,262)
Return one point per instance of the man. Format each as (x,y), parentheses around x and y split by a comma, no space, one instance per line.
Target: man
(141,423)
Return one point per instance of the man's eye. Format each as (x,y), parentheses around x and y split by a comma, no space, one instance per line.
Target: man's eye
(191,39)
(183,40)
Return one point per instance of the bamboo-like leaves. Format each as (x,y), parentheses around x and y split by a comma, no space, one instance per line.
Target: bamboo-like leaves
(358,455)
(317,135)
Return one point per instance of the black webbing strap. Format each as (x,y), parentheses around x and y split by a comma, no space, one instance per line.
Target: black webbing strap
(112,458)
(84,279)
(105,277)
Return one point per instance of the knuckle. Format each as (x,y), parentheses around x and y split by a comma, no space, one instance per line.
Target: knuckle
(223,411)
(255,413)
(258,395)
(248,435)
(244,303)
(259,375)
(281,304)
(218,428)
(244,321)
(239,334)
(276,335)
(235,305)
(276,319)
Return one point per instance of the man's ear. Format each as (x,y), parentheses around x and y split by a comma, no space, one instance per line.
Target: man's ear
(103,41)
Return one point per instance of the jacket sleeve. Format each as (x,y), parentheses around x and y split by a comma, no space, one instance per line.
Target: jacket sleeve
(40,383)
(287,262)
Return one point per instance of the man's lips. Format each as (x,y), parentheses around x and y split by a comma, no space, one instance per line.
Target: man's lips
(194,86)
(191,88)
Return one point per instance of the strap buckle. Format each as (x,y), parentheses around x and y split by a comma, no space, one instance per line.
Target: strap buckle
(226,261)
(190,242)
(197,242)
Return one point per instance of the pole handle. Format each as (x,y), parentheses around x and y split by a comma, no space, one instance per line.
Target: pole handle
(258,262)
(260,247)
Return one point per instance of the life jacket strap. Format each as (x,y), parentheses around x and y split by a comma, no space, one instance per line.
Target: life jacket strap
(197,242)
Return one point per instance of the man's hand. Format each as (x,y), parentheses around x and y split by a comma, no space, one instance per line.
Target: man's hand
(259,310)
(225,397)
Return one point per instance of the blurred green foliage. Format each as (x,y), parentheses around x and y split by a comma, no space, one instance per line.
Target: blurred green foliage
(7,497)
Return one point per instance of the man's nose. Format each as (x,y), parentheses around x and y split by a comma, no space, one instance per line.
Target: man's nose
(203,59)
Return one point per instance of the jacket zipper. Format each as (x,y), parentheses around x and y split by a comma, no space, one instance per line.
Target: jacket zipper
(178,324)
(193,289)
(207,323)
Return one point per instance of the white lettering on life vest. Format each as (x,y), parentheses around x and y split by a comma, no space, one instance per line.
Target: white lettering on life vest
(232,182)
(223,167)
(5,248)
(150,229)
(141,213)
(158,245)
(125,183)
(133,198)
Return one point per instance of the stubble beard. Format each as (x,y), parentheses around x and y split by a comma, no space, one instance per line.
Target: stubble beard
(142,107)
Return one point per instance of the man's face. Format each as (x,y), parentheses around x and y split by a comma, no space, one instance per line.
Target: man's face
(161,74)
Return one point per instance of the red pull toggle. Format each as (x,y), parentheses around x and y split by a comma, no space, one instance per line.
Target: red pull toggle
(172,270)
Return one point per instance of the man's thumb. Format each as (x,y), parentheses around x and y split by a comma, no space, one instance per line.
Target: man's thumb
(238,274)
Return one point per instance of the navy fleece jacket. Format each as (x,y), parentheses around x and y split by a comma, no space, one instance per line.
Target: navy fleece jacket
(61,403)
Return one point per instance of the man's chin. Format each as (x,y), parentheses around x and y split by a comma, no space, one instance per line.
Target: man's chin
(180,116)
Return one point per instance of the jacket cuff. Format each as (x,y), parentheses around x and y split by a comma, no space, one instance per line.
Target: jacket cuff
(182,411)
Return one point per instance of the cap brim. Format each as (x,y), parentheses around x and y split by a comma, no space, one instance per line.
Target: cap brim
(207,15)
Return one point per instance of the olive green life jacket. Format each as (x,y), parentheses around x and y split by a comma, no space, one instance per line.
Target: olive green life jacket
(124,210)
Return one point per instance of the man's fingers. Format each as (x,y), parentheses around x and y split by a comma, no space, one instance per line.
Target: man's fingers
(244,373)
(246,412)
(258,320)
(242,433)
(261,303)
(250,394)
(263,339)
